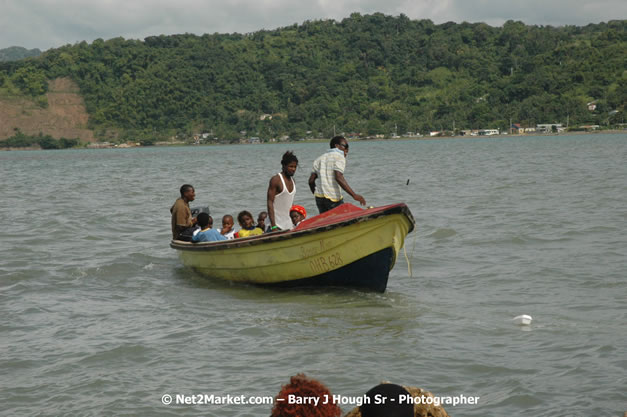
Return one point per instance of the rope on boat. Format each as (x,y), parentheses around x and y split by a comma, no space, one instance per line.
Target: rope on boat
(407,259)
(413,247)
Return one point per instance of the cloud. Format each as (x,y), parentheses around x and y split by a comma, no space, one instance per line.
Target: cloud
(51,23)
(538,12)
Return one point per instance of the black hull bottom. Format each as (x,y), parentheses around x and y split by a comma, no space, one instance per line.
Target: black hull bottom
(369,273)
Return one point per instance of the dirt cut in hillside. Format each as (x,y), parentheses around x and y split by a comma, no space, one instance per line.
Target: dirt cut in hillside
(65,116)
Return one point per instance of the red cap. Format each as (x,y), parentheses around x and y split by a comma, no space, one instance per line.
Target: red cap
(299,209)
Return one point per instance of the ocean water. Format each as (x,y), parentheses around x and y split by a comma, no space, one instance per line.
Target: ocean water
(100,318)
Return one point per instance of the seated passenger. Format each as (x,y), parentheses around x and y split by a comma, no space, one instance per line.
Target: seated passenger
(227,227)
(261,220)
(206,234)
(297,214)
(247,224)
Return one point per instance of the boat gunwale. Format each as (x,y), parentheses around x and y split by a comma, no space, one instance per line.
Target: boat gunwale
(400,208)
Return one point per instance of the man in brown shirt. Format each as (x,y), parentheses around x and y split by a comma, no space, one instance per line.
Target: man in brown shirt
(181,213)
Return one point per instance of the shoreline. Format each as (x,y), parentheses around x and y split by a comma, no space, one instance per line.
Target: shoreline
(506,135)
(411,138)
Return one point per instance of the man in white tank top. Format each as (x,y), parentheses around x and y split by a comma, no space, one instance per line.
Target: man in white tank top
(281,192)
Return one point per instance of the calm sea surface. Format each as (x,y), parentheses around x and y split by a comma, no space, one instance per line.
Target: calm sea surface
(100,318)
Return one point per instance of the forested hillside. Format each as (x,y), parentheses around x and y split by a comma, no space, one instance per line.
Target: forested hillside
(372,74)
(15,53)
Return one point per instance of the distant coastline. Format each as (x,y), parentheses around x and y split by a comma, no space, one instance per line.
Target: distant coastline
(412,138)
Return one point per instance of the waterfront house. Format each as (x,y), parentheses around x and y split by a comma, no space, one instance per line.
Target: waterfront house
(550,127)
(488,132)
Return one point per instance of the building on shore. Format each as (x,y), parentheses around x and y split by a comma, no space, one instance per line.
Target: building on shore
(590,128)
(550,128)
(515,129)
(488,132)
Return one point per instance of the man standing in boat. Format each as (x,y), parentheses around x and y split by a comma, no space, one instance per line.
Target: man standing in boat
(329,168)
(281,191)
(181,213)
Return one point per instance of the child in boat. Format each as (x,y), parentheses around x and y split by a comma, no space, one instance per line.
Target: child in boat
(206,234)
(261,220)
(227,227)
(297,214)
(247,224)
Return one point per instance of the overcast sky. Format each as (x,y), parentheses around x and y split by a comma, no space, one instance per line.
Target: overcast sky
(47,24)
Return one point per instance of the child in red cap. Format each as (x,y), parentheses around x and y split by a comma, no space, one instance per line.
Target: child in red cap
(297,214)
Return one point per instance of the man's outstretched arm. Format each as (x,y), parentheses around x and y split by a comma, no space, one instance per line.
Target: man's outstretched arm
(339,177)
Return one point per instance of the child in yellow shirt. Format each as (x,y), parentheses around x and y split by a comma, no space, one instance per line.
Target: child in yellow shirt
(247,224)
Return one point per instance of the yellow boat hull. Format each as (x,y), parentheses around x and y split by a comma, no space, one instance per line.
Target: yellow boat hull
(327,254)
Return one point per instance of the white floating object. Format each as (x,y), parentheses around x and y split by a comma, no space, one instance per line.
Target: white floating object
(523,320)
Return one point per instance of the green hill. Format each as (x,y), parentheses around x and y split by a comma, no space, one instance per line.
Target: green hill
(15,53)
(373,74)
